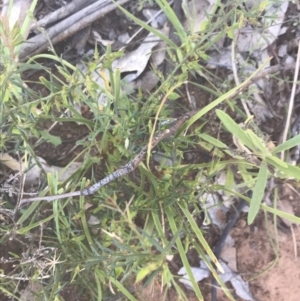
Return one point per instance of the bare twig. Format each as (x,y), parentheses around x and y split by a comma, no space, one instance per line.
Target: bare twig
(191,100)
(123,171)
(291,104)
(61,13)
(67,27)
(132,165)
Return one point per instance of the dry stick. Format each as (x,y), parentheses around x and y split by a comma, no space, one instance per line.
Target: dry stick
(292,99)
(61,13)
(132,165)
(67,27)
(123,171)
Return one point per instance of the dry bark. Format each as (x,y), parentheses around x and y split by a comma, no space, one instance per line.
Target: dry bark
(67,27)
(63,12)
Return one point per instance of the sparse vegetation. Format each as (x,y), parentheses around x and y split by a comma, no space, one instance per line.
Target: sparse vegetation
(130,230)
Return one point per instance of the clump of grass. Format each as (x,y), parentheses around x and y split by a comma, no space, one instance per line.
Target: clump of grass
(132,228)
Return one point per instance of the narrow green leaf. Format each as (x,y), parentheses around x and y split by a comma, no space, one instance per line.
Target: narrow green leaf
(173,96)
(219,100)
(258,192)
(54,58)
(159,228)
(6,291)
(45,82)
(28,212)
(256,142)
(55,140)
(290,170)
(287,145)
(117,85)
(293,171)
(143,169)
(147,27)
(201,238)
(28,19)
(83,217)
(97,277)
(120,286)
(16,131)
(170,215)
(282,214)
(55,208)
(243,171)
(212,269)
(52,179)
(277,161)
(37,224)
(169,12)
(213,140)
(234,128)
(230,183)
(145,271)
